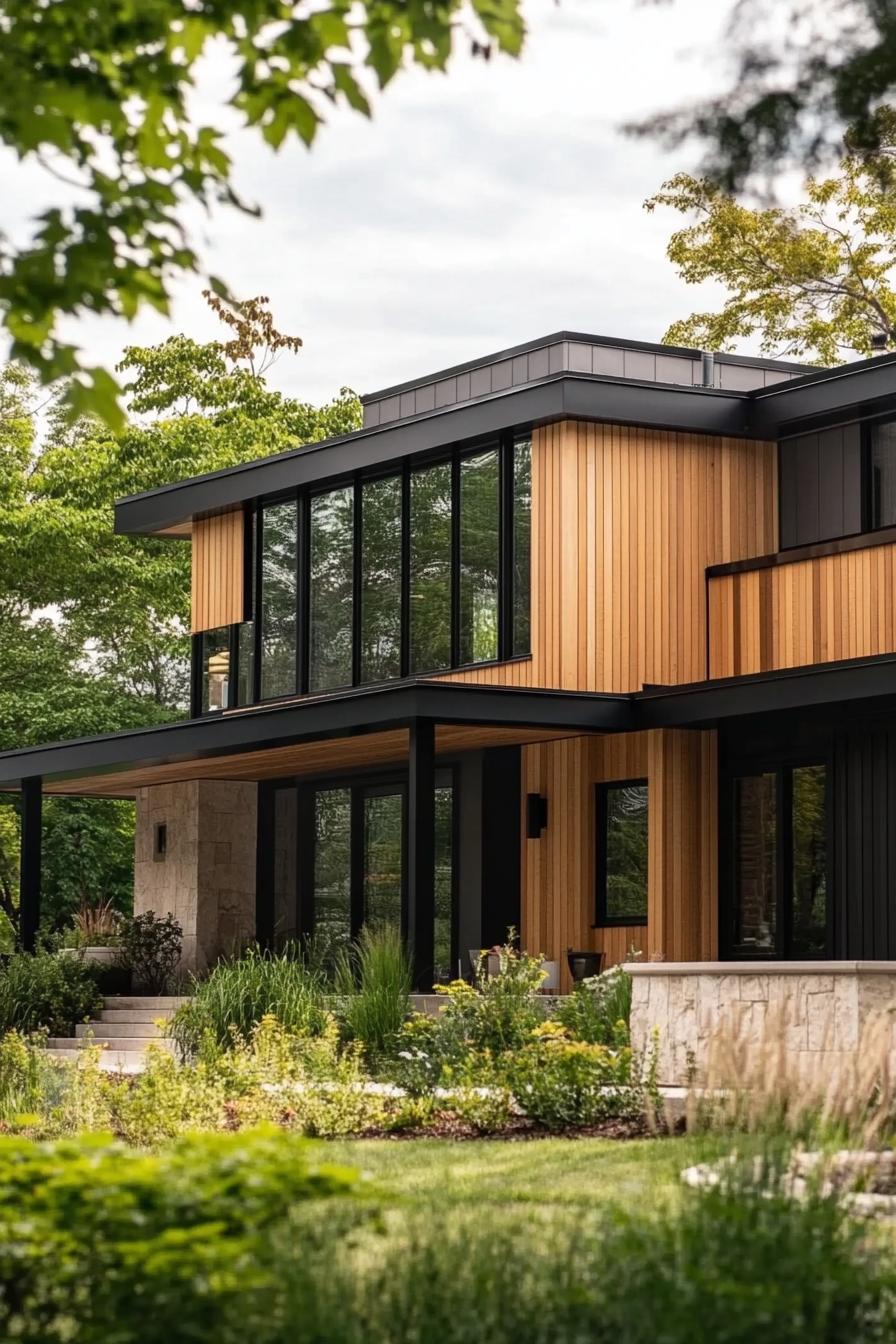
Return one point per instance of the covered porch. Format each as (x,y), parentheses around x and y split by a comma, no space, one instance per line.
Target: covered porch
(228,834)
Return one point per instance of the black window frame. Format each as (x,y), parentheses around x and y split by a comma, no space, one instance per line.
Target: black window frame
(867,484)
(360,784)
(782,767)
(602,919)
(505,443)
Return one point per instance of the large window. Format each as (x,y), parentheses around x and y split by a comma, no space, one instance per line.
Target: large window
(779,863)
(279,567)
(622,852)
(882,475)
(331,589)
(418,571)
(381,579)
(479,557)
(430,574)
(338,863)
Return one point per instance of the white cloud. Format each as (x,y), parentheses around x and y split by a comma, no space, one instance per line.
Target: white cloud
(477,209)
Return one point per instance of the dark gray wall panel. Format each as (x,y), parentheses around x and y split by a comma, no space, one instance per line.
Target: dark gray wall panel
(821,486)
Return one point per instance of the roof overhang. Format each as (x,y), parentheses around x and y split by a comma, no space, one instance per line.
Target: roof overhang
(313,719)
(562,396)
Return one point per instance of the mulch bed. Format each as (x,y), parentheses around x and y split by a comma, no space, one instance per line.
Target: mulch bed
(519,1129)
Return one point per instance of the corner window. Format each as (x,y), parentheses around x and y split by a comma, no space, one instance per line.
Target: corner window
(622,853)
(779,863)
(882,475)
(215,669)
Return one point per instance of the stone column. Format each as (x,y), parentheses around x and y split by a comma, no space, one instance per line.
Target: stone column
(195,857)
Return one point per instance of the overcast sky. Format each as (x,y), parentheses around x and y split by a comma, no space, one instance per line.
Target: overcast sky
(476,210)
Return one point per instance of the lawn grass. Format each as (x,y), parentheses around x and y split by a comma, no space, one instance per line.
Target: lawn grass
(574,1174)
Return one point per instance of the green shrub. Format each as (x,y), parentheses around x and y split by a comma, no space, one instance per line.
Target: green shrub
(46,991)
(99,1243)
(151,948)
(373,981)
(479,1027)
(722,1271)
(240,991)
(562,1083)
(596,1007)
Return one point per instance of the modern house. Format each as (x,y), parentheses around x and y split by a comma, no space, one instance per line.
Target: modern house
(589,637)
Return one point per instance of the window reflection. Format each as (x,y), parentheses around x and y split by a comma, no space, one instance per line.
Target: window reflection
(883,474)
(756,862)
(810,905)
(215,669)
(430,580)
(479,555)
(623,851)
(332,539)
(381,579)
(278,599)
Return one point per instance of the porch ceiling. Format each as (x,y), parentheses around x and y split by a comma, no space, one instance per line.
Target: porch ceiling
(302,759)
(312,735)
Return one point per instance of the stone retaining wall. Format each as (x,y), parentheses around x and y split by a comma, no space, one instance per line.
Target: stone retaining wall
(820,1007)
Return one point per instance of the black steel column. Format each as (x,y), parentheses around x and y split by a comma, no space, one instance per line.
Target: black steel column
(30,861)
(421,830)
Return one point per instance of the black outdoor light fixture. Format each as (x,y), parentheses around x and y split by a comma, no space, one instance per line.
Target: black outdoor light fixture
(536,815)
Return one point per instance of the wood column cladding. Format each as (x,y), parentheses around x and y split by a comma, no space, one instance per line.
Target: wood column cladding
(558,870)
(218,559)
(811,611)
(624,523)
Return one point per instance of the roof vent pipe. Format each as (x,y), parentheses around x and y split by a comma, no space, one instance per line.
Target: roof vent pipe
(707,368)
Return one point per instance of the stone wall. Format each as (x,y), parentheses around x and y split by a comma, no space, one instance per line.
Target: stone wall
(818,1008)
(206,875)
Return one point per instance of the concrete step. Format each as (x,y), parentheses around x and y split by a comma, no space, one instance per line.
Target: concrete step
(112,1043)
(111,1061)
(110,1030)
(149,1003)
(133,1015)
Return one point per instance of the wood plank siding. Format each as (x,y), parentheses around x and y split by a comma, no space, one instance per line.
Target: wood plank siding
(624,523)
(218,590)
(559,869)
(812,611)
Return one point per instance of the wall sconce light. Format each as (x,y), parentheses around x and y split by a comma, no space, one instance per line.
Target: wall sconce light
(536,815)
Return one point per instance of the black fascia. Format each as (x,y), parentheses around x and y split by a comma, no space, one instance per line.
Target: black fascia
(315,718)
(703,704)
(831,396)
(559,396)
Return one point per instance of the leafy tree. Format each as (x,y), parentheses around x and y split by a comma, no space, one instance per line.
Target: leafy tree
(101,96)
(808,77)
(813,281)
(93,627)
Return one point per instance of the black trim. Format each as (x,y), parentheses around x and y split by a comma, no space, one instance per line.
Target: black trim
(343,713)
(454,562)
(357,581)
(781,764)
(792,555)
(31,861)
(603,920)
(560,396)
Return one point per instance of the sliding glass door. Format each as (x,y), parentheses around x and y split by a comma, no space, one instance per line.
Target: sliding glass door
(339,863)
(778,863)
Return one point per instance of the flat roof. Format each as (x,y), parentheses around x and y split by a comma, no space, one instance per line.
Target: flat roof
(563,375)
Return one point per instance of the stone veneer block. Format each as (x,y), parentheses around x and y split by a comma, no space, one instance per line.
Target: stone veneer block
(820,1009)
(206,878)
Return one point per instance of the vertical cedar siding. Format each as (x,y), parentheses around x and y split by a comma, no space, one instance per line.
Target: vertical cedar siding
(218,592)
(818,610)
(559,869)
(624,523)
